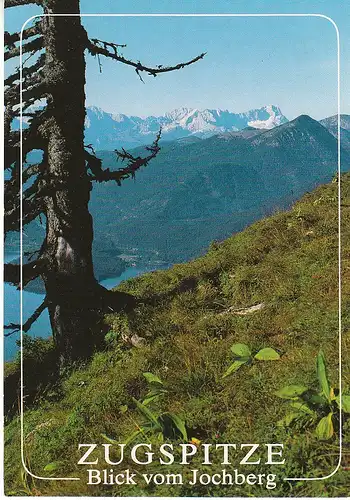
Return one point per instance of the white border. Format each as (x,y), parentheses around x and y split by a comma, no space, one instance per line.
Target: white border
(339,216)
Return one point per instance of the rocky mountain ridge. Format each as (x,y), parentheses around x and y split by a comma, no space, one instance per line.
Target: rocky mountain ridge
(108,131)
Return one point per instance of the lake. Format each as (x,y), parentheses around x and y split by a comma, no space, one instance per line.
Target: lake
(41,328)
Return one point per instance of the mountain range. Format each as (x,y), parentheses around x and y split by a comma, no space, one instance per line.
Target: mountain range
(107,131)
(200,189)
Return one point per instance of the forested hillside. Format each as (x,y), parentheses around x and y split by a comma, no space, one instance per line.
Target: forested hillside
(199,190)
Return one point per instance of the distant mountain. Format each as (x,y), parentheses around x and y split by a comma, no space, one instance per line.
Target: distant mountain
(108,131)
(301,133)
(194,192)
(331,123)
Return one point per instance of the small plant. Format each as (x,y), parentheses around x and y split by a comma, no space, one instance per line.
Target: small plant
(112,338)
(314,407)
(244,356)
(156,388)
(165,425)
(52,466)
(119,330)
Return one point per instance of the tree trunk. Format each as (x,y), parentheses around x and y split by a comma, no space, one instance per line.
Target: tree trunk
(70,283)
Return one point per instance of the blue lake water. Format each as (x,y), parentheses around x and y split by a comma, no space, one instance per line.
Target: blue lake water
(41,328)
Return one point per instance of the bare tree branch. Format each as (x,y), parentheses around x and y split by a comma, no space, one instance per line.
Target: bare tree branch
(114,46)
(8,117)
(11,326)
(27,325)
(32,197)
(31,139)
(17,3)
(35,169)
(31,270)
(31,210)
(133,164)
(11,38)
(93,163)
(12,152)
(29,70)
(32,46)
(33,88)
(96,47)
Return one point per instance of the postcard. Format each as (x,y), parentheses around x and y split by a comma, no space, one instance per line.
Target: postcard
(176,252)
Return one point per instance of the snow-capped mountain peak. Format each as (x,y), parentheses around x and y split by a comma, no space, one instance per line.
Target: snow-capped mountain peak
(179,114)
(110,131)
(275,118)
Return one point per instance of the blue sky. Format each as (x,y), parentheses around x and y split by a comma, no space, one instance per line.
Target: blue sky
(250,62)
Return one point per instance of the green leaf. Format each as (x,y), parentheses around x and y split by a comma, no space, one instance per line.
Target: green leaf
(241,350)
(291,391)
(111,440)
(160,437)
(345,403)
(146,412)
(236,365)
(324,429)
(267,354)
(316,399)
(156,390)
(149,426)
(150,398)
(51,467)
(179,424)
(322,374)
(134,435)
(153,395)
(298,405)
(151,378)
(288,419)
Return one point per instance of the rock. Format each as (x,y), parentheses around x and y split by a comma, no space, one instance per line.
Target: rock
(134,340)
(243,311)
(137,341)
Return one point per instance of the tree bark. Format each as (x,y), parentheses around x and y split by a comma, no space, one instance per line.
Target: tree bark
(70,283)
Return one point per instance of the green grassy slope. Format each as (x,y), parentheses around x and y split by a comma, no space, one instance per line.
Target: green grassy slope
(288,263)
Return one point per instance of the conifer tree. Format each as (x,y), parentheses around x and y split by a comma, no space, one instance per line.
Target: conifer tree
(54,49)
